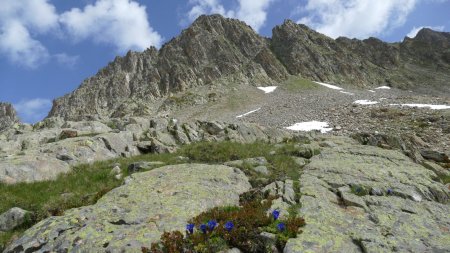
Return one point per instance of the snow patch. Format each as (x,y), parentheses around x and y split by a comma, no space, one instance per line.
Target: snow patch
(432,107)
(372,91)
(311,125)
(346,92)
(365,102)
(268,89)
(329,86)
(247,113)
(383,88)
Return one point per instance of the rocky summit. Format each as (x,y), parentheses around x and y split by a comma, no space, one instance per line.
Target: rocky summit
(226,141)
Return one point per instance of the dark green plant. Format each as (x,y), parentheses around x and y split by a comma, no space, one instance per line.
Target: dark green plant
(247,223)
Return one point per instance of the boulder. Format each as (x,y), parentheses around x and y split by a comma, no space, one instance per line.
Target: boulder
(13,218)
(136,214)
(399,206)
(30,168)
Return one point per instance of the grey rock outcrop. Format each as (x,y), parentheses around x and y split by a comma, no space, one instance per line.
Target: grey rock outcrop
(8,116)
(366,199)
(40,154)
(136,214)
(216,50)
(13,218)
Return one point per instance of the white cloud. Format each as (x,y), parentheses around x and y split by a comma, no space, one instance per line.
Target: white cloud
(122,23)
(415,30)
(19,22)
(356,18)
(33,110)
(254,13)
(67,60)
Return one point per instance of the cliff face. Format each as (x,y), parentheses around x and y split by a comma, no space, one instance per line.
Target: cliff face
(220,50)
(8,116)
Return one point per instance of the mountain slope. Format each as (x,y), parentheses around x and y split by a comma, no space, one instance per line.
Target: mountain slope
(217,50)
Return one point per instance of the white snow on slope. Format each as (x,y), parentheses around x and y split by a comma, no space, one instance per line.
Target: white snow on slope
(329,86)
(247,113)
(311,125)
(372,91)
(346,92)
(365,102)
(383,88)
(432,107)
(268,89)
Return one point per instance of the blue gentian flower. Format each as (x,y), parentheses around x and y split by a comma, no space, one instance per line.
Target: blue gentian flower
(229,226)
(281,226)
(212,224)
(190,228)
(275,214)
(389,191)
(203,228)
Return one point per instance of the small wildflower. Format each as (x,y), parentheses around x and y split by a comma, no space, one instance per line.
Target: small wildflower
(203,228)
(281,226)
(229,226)
(275,214)
(212,224)
(190,228)
(389,191)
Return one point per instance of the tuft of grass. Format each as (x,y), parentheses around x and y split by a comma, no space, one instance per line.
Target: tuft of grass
(297,83)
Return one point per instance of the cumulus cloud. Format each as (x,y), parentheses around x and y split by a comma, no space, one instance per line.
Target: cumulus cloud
(415,30)
(254,13)
(33,110)
(355,18)
(19,22)
(122,23)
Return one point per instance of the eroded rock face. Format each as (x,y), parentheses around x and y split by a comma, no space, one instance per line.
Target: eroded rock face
(136,214)
(366,199)
(8,116)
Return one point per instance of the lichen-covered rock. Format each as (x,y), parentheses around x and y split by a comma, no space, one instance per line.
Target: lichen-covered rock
(366,199)
(137,213)
(29,168)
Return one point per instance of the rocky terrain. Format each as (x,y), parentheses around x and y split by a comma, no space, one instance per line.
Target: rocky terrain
(161,135)
(220,51)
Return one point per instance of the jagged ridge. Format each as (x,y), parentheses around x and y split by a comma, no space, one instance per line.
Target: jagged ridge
(220,50)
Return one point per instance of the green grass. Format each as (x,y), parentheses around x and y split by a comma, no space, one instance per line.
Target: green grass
(296,83)
(86,183)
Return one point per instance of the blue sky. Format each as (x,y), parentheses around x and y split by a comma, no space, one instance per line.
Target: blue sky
(48,47)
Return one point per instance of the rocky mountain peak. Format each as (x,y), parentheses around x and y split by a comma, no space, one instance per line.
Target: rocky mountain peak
(8,115)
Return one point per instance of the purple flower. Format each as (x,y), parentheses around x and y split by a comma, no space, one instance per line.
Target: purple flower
(275,214)
(190,228)
(203,228)
(229,226)
(212,224)
(389,191)
(281,226)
